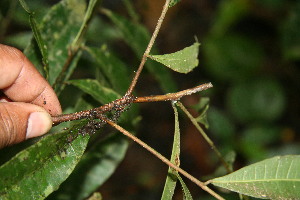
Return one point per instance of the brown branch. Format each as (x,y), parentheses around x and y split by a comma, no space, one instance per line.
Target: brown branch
(173,96)
(92,113)
(127,100)
(164,159)
(149,47)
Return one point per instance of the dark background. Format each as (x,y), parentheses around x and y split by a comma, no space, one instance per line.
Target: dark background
(250,51)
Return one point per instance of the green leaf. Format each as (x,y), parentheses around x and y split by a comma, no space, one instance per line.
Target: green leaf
(111,68)
(229,158)
(229,12)
(25,6)
(39,40)
(87,17)
(171,180)
(274,178)
(96,90)
(96,165)
(182,61)
(137,38)
(94,169)
(74,55)
(290,38)
(38,170)
(173,3)
(19,40)
(105,95)
(202,108)
(58,29)
(186,191)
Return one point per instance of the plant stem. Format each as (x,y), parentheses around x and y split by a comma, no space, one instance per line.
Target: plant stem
(173,96)
(75,46)
(87,17)
(164,159)
(205,136)
(149,47)
(128,100)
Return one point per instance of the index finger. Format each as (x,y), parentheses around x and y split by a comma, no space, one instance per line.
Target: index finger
(21,82)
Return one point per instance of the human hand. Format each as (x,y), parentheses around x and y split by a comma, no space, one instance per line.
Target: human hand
(26,99)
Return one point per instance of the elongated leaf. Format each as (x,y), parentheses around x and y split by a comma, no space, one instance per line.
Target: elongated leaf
(94,169)
(25,6)
(38,170)
(137,37)
(274,178)
(202,108)
(182,61)
(173,2)
(171,180)
(96,90)
(87,17)
(186,191)
(98,164)
(73,51)
(58,29)
(111,68)
(39,40)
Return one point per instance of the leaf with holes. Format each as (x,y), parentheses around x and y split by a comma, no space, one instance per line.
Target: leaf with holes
(274,178)
(182,61)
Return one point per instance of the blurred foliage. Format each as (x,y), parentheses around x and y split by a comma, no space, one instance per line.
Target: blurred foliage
(250,51)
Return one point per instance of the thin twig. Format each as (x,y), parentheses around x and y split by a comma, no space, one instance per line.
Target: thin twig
(164,159)
(205,136)
(173,96)
(149,47)
(127,100)
(92,113)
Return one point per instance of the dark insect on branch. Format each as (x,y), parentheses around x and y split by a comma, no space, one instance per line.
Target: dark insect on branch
(118,106)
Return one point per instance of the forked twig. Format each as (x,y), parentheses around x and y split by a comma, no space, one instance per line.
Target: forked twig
(164,159)
(126,100)
(205,136)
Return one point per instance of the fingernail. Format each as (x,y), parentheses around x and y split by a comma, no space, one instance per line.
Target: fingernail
(38,124)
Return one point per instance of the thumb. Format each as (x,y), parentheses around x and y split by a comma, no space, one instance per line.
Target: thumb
(20,121)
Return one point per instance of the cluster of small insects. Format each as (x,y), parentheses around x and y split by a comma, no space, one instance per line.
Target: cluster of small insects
(97,119)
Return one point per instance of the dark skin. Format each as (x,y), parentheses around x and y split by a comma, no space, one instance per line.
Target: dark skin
(27,101)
